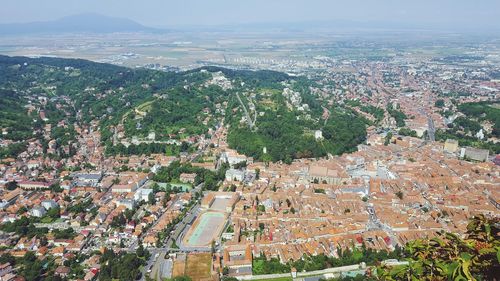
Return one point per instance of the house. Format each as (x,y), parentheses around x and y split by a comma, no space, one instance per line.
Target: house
(8,277)
(9,198)
(33,164)
(66,185)
(62,271)
(58,251)
(91,274)
(497,160)
(122,188)
(187,178)
(450,146)
(5,271)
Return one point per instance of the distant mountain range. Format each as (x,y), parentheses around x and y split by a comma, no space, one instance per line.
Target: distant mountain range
(82,23)
(97,23)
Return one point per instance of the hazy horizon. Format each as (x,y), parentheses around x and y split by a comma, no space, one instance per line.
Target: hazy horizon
(446,14)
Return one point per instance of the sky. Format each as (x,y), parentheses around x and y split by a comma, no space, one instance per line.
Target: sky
(470,14)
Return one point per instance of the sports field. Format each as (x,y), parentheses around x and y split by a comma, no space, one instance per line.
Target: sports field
(207,227)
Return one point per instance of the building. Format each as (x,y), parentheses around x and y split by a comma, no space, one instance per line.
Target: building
(475,154)
(33,164)
(232,157)
(87,179)
(33,185)
(450,146)
(127,203)
(49,204)
(235,175)
(6,271)
(220,201)
(324,174)
(9,198)
(38,211)
(142,194)
(129,182)
(238,259)
(62,271)
(187,178)
(497,160)
(318,134)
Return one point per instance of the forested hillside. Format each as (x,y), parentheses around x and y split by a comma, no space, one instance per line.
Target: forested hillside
(270,115)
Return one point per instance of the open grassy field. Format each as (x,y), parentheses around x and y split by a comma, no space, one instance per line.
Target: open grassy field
(198,266)
(179,268)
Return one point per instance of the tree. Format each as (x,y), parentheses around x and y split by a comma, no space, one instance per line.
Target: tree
(151,198)
(122,266)
(261,208)
(449,257)
(11,185)
(407,132)
(388,138)
(32,267)
(399,194)
(240,165)
(212,247)
(56,187)
(141,252)
(54,213)
(439,103)
(118,221)
(43,241)
(261,226)
(7,258)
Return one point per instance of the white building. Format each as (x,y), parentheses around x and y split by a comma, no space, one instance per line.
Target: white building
(232,158)
(233,174)
(318,134)
(128,203)
(49,204)
(142,194)
(38,211)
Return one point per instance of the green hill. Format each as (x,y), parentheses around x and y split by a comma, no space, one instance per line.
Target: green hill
(264,109)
